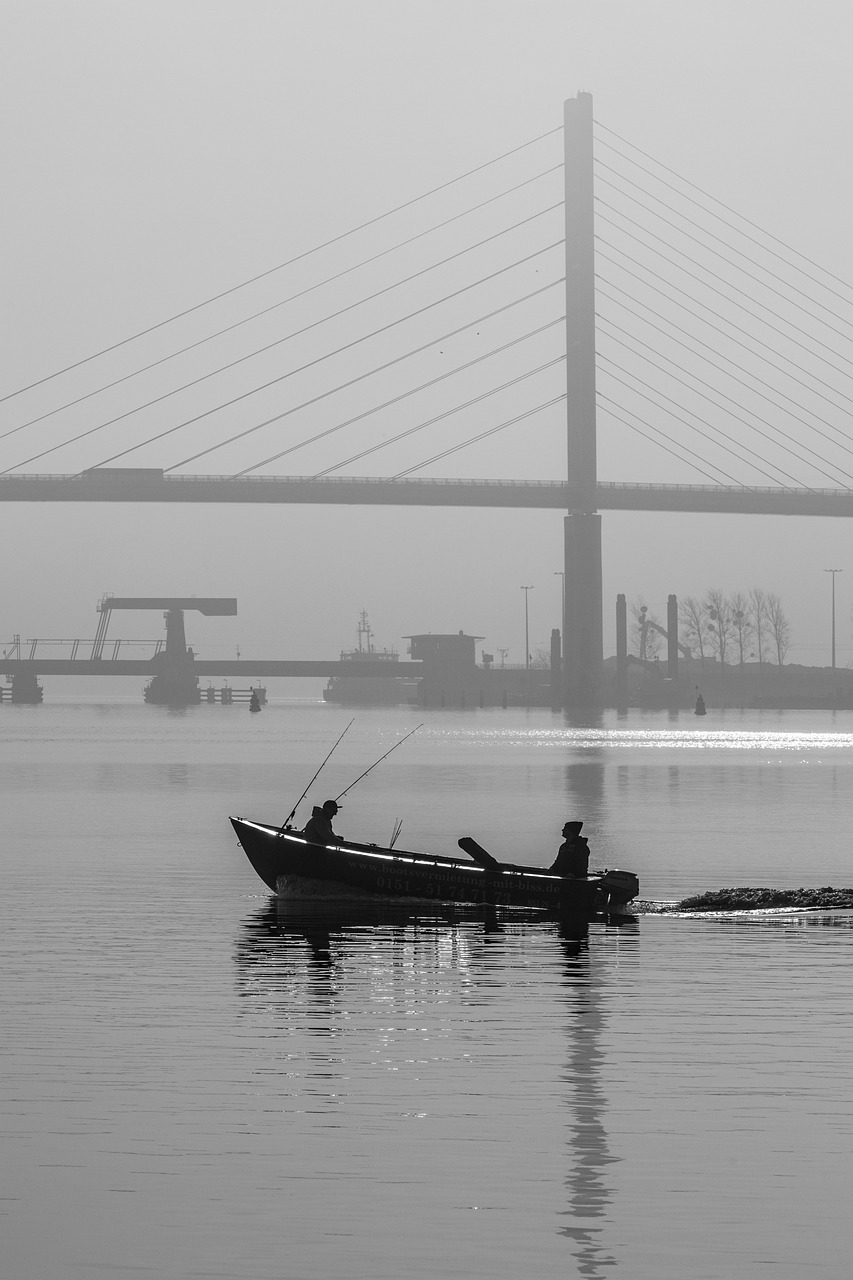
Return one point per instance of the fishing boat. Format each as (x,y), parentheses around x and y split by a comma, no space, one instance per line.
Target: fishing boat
(295,867)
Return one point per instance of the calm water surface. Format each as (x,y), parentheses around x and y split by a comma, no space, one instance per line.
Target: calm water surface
(199,1082)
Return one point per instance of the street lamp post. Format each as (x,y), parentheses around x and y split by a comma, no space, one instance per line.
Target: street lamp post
(526,631)
(833,572)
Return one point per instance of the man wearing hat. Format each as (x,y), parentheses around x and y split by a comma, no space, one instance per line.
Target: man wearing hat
(573,856)
(318,829)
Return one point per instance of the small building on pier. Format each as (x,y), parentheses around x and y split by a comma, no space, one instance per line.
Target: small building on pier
(452,677)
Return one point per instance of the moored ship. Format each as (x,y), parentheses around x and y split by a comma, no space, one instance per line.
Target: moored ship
(366,690)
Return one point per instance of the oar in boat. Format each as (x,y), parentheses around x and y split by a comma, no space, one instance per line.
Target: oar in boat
(476,851)
(485,859)
(314,779)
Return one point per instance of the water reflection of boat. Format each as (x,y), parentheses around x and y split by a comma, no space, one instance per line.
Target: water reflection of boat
(291,865)
(331,928)
(348,975)
(383,689)
(285,916)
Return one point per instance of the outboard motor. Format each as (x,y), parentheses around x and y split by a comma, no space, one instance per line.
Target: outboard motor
(619,888)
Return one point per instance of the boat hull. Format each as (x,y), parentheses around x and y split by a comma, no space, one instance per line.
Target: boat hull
(289,864)
(367,691)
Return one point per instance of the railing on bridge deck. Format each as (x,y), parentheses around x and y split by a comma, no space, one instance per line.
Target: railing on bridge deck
(614,486)
(12,651)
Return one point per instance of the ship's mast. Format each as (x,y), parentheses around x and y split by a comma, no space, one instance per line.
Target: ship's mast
(364,633)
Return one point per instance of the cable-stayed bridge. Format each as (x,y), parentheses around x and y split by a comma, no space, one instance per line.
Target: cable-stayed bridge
(540,315)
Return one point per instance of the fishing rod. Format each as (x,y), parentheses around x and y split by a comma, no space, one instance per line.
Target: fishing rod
(379,761)
(314,779)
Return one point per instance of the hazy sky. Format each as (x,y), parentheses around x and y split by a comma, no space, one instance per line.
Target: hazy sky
(157,154)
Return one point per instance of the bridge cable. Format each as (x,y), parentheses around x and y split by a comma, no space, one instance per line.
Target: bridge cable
(680,342)
(448,413)
(728,209)
(321,435)
(740,270)
(710,234)
(737,230)
(750,425)
(282,377)
(690,426)
(239,435)
(282,303)
(361,377)
(482,436)
(298,258)
(703,396)
(716,276)
(736,327)
(299,332)
(605,404)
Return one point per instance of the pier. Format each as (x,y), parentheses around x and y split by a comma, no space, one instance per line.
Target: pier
(172,670)
(442,672)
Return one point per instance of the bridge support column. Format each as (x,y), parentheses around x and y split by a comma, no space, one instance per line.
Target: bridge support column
(672,637)
(583,642)
(26,688)
(621,653)
(556,670)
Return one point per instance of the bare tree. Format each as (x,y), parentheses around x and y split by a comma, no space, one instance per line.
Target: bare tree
(694,619)
(742,628)
(779,627)
(719,622)
(757,606)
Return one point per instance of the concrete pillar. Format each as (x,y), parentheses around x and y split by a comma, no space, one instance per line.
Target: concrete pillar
(26,688)
(582,630)
(672,637)
(176,639)
(556,669)
(621,653)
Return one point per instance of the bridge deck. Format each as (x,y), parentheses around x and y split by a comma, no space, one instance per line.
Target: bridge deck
(151,486)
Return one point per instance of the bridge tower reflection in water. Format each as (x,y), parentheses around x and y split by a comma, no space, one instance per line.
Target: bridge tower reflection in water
(585,1104)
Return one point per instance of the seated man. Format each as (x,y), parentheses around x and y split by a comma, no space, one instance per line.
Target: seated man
(573,856)
(318,828)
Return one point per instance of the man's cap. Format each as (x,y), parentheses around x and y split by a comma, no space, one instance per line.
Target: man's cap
(576,825)
(331,804)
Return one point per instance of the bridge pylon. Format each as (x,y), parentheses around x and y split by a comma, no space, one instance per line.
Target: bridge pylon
(583,641)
